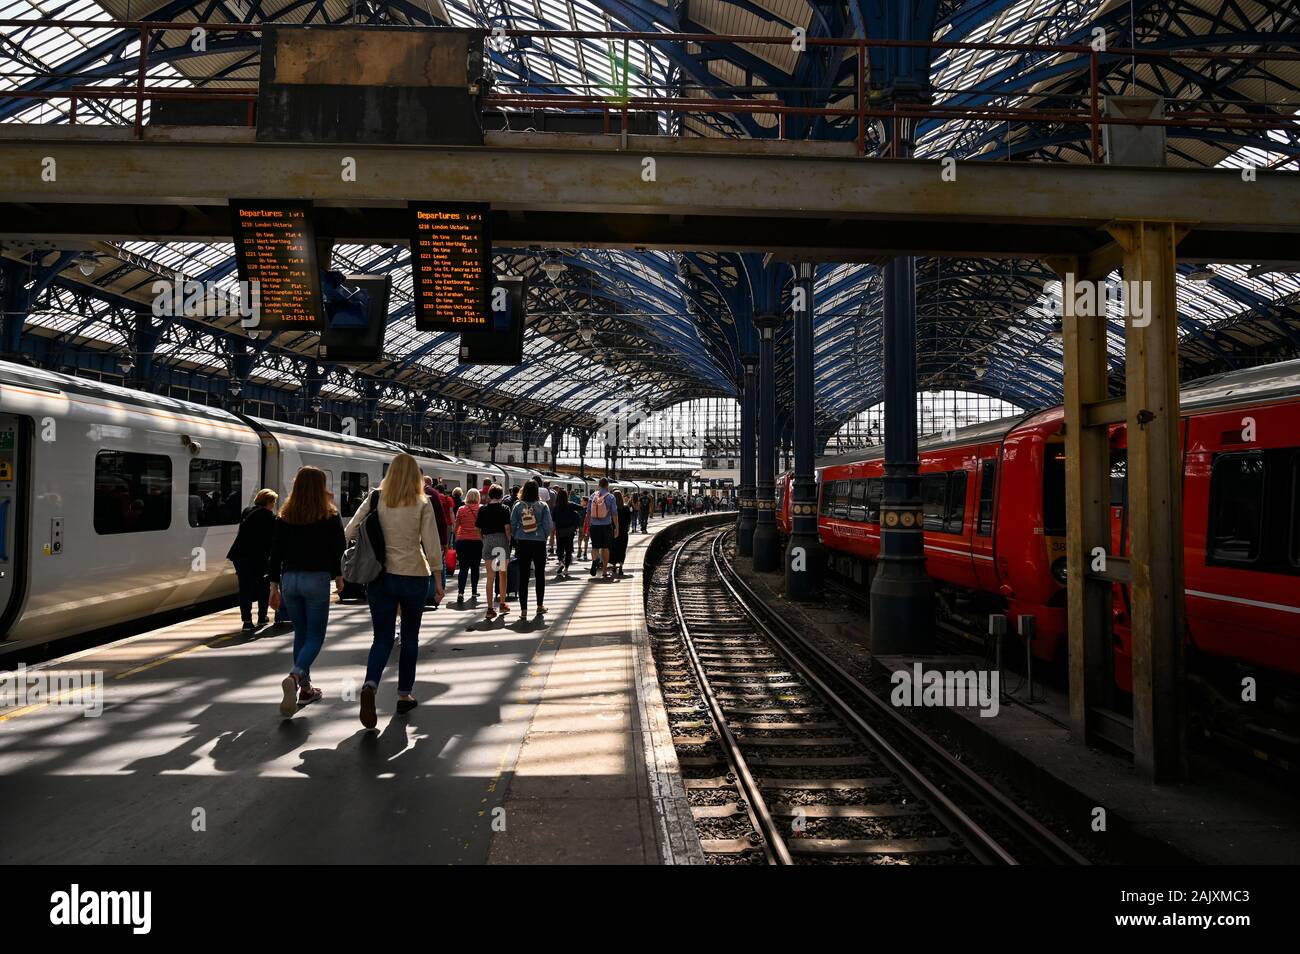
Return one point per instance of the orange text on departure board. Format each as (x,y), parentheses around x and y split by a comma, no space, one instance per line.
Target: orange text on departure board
(449,263)
(277,256)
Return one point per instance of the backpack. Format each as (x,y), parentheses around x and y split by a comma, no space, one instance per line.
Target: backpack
(598,506)
(528,519)
(364,560)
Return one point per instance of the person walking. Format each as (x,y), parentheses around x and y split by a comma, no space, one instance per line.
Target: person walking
(584,532)
(493,522)
(568,517)
(469,546)
(646,505)
(444,535)
(530,526)
(412,554)
(622,530)
(603,516)
(306,553)
(250,554)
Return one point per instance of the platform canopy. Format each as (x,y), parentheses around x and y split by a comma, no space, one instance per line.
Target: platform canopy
(610,328)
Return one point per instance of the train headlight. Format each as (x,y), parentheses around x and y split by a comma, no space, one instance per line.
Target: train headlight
(1058,570)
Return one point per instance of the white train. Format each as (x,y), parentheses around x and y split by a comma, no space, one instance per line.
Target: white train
(116,505)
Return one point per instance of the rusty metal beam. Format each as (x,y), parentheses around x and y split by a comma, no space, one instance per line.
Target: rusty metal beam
(1087,498)
(1155,499)
(585,184)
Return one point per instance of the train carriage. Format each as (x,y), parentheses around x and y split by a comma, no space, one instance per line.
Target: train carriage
(993,512)
(114,504)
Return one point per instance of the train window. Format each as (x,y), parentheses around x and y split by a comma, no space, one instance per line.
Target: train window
(133,492)
(842,498)
(1236,509)
(858,501)
(875,491)
(353,487)
(828,496)
(955,517)
(934,499)
(1054,490)
(216,493)
(988,483)
(1295,512)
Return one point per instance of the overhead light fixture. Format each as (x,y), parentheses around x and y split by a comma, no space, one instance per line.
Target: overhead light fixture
(1201,273)
(87,264)
(553,268)
(587,331)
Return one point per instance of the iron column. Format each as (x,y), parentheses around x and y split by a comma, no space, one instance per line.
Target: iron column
(803,556)
(767,542)
(748,413)
(902,595)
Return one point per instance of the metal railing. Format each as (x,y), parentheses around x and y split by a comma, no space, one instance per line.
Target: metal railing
(1085,110)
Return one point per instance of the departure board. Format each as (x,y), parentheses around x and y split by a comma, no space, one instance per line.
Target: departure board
(451,265)
(275,246)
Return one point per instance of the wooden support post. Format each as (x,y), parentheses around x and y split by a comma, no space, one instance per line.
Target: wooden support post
(1087,499)
(1155,499)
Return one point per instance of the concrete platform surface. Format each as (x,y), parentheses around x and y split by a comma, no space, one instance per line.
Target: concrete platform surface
(533,743)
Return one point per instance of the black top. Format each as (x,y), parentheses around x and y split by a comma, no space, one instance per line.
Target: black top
(252,544)
(493,518)
(569,517)
(309,547)
(624,520)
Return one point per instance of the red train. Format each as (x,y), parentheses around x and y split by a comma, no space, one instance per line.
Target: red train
(994,518)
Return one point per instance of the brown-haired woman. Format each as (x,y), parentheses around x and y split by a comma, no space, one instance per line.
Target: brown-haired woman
(306,553)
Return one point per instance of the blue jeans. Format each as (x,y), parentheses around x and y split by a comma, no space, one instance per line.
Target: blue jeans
(385,595)
(305,596)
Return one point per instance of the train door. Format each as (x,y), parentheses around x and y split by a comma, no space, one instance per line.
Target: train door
(14,447)
(986,486)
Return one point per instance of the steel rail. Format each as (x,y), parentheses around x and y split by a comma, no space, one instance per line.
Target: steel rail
(980,842)
(774,845)
(1049,845)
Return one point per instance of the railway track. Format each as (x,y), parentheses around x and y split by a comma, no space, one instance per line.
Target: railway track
(787,759)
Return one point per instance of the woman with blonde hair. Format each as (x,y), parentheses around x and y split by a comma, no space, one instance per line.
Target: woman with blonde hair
(412,554)
(306,553)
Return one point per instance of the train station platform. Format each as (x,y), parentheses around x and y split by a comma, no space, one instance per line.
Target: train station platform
(533,743)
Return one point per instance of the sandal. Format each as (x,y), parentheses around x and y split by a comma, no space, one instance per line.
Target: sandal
(289,704)
(309,694)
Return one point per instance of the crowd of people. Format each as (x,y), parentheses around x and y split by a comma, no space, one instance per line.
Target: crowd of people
(424,537)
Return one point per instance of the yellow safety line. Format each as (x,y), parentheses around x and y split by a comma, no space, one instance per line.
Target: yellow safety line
(162,659)
(37,706)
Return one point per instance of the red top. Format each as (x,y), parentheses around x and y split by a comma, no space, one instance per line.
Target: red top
(465,522)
